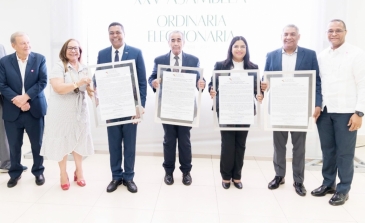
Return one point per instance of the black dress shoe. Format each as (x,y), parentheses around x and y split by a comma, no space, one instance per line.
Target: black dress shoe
(322,191)
(338,199)
(131,186)
(13,181)
(39,180)
(237,185)
(300,189)
(226,185)
(187,180)
(275,183)
(113,185)
(169,179)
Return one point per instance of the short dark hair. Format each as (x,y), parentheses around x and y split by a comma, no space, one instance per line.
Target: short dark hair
(339,20)
(116,24)
(247,64)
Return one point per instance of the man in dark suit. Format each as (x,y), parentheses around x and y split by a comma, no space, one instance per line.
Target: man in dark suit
(126,133)
(175,132)
(289,58)
(23,77)
(4,145)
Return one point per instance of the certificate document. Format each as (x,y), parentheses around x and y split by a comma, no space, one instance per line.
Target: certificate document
(289,101)
(236,104)
(178,96)
(115,93)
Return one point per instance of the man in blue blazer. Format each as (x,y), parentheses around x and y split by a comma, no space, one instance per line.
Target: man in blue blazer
(289,58)
(176,57)
(23,77)
(126,133)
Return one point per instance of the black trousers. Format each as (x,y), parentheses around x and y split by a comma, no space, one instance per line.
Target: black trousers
(175,134)
(232,152)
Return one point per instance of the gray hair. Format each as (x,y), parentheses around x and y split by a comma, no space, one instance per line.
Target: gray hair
(291,26)
(16,34)
(177,31)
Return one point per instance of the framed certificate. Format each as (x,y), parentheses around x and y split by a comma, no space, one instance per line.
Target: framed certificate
(177,97)
(289,100)
(116,99)
(235,106)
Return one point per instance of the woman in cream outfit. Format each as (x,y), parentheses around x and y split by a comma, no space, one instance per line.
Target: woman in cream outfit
(67,128)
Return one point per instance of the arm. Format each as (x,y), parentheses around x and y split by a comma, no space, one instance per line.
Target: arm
(42,80)
(141,74)
(200,83)
(355,121)
(152,79)
(5,90)
(318,103)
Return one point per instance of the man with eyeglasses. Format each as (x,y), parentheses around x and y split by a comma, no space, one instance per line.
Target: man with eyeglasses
(23,77)
(126,133)
(291,57)
(342,70)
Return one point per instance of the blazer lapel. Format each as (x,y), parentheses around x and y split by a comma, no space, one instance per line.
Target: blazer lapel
(14,62)
(185,60)
(300,57)
(279,60)
(125,52)
(28,69)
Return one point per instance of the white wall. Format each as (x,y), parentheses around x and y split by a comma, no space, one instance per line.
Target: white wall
(50,23)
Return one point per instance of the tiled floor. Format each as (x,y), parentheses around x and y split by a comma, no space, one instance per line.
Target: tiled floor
(204,201)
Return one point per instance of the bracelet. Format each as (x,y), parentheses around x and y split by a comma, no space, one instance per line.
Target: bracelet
(76,90)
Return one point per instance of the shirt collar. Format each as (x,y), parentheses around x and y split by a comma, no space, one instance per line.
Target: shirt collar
(283,51)
(340,49)
(71,67)
(26,59)
(172,56)
(121,49)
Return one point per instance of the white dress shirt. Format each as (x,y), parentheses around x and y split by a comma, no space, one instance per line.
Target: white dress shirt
(22,67)
(289,61)
(172,59)
(120,53)
(342,73)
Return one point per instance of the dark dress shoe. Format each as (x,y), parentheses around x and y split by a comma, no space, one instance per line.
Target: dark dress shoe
(300,189)
(237,185)
(39,180)
(275,183)
(131,186)
(187,180)
(25,169)
(113,185)
(338,199)
(226,185)
(322,191)
(13,181)
(169,179)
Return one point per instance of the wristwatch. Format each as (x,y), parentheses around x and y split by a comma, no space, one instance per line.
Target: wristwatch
(359,113)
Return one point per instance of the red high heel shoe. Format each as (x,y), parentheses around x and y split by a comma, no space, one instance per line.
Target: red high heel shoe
(81,183)
(66,186)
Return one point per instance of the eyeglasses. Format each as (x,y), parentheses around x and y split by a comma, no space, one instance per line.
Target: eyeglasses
(115,33)
(338,31)
(70,48)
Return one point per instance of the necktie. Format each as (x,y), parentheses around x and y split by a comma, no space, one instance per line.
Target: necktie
(116,58)
(176,64)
